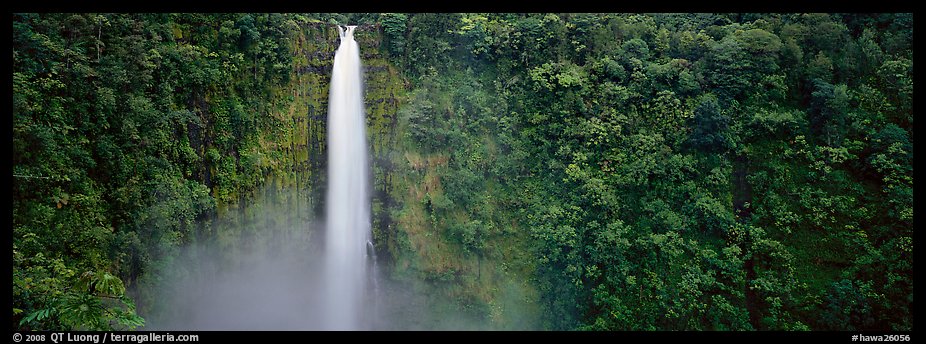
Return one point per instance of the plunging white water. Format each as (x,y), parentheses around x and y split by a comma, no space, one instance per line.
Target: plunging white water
(348,198)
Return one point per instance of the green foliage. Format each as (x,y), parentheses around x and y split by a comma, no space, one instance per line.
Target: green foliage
(61,298)
(394,31)
(428,45)
(639,131)
(128,131)
(711,128)
(848,306)
(829,104)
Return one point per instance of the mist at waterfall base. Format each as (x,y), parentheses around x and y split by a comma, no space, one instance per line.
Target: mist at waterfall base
(269,266)
(262,268)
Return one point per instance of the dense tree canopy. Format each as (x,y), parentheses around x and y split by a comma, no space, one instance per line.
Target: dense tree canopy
(127,131)
(693,171)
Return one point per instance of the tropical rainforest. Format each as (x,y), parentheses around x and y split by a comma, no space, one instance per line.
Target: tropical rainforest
(666,171)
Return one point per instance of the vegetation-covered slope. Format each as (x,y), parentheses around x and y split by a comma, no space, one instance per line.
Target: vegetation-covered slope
(671,171)
(132,132)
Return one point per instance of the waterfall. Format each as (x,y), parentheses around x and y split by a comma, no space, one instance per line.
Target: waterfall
(348,195)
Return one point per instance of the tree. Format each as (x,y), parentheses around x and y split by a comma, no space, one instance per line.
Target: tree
(829,105)
(394,30)
(710,125)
